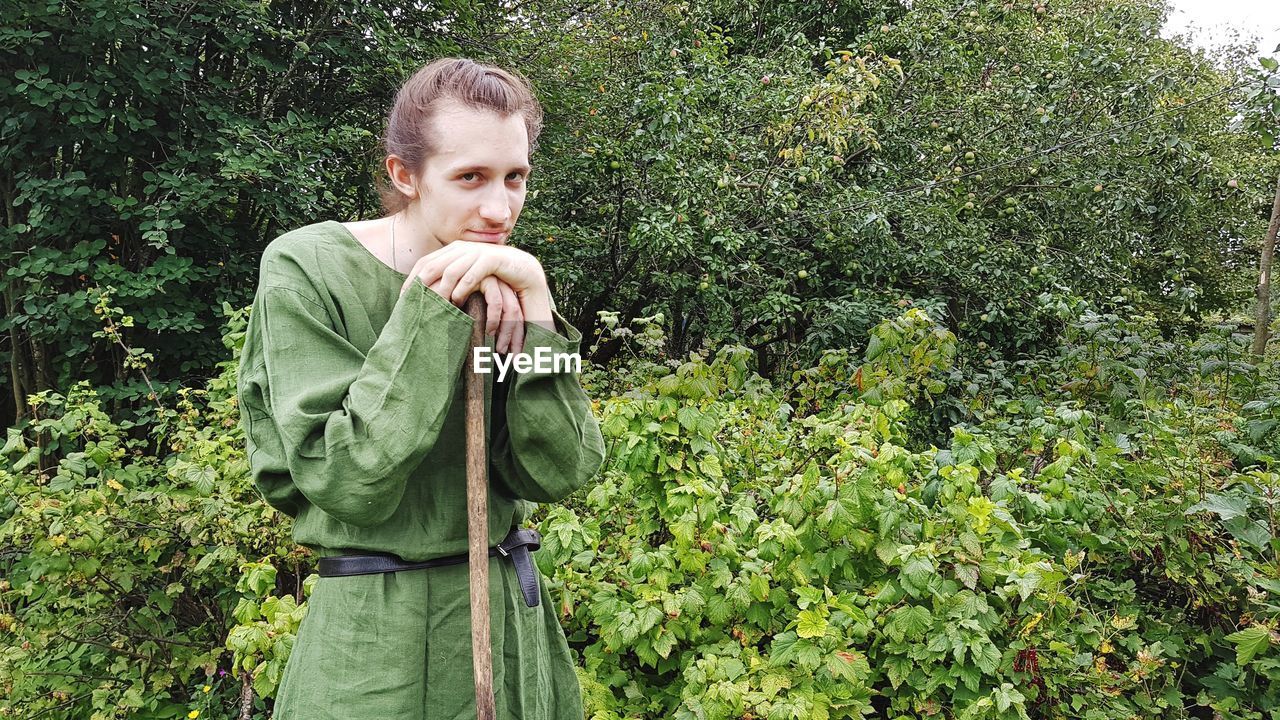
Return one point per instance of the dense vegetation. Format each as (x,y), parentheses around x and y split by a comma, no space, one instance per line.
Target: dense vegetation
(780,175)
(920,338)
(1102,543)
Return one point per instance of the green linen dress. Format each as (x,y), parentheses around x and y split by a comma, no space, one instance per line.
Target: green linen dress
(353,405)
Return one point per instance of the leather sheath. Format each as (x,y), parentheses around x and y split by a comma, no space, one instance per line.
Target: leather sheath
(517,546)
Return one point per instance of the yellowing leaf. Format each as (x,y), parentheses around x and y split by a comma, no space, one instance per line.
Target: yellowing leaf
(810,624)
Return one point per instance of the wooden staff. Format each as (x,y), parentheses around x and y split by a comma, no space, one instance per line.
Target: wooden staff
(478,517)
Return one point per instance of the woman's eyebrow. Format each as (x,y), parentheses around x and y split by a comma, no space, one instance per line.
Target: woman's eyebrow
(476,168)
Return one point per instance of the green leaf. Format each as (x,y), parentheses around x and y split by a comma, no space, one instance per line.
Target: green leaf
(771,683)
(14,443)
(810,624)
(969,675)
(1250,642)
(1226,507)
(760,587)
(664,643)
(246,611)
(1006,696)
(808,596)
(985,654)
(967,574)
(718,608)
(909,622)
(1253,532)
(918,572)
(897,667)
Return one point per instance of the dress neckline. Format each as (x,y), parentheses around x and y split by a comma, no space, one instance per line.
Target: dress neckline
(366,251)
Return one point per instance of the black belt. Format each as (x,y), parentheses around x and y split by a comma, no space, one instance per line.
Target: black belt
(516,545)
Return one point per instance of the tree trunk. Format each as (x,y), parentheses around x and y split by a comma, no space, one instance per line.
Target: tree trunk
(19,376)
(1262,315)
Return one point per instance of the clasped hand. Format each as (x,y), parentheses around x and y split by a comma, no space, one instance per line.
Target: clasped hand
(505,275)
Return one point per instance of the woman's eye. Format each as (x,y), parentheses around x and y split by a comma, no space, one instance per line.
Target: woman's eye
(468,176)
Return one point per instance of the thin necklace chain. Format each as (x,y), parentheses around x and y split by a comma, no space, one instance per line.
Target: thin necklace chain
(395,260)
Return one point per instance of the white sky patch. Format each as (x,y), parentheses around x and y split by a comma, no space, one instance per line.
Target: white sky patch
(1215,23)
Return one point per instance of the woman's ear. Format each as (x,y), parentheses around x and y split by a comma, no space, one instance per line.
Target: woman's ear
(401,178)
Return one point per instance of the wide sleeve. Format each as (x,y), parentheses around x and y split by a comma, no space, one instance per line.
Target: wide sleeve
(550,444)
(351,425)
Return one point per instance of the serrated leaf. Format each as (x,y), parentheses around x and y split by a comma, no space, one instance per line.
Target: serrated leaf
(664,644)
(246,611)
(718,608)
(1249,642)
(918,571)
(909,622)
(897,667)
(848,666)
(887,551)
(1223,506)
(810,624)
(783,649)
(967,574)
(771,683)
(14,443)
(1251,531)
(1006,696)
(808,596)
(760,587)
(985,654)
(969,675)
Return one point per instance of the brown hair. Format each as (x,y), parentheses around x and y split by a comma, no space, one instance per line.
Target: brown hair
(476,85)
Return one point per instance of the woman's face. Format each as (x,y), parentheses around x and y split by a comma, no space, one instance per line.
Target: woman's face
(473,187)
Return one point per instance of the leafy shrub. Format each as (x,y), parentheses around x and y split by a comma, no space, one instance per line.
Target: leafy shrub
(1099,541)
(742,559)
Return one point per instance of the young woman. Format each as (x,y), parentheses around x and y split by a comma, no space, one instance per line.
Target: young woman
(352,400)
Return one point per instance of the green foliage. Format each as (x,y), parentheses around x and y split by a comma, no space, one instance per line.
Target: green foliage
(266,626)
(993,485)
(1104,545)
(782,176)
(787,177)
(740,558)
(120,568)
(156,147)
